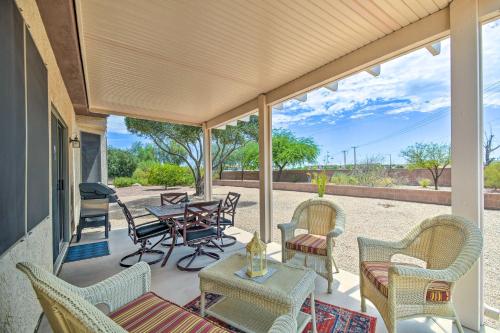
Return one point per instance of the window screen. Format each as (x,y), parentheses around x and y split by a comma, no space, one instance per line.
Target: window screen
(38,135)
(12,126)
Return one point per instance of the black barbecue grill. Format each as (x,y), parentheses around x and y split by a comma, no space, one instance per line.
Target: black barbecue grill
(94,207)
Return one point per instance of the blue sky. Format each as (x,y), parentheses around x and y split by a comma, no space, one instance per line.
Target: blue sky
(409,102)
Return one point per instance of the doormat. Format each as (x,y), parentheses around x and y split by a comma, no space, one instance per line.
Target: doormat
(329,318)
(87,251)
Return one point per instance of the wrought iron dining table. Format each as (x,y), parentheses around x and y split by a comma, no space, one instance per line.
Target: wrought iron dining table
(166,213)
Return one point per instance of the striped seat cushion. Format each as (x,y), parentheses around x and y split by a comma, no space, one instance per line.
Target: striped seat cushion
(308,243)
(151,313)
(378,273)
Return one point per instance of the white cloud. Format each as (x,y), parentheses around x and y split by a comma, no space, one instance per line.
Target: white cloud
(116,124)
(361,115)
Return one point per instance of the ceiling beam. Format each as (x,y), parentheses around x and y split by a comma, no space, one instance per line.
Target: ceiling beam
(240,111)
(301,98)
(434,48)
(488,10)
(375,70)
(333,86)
(416,35)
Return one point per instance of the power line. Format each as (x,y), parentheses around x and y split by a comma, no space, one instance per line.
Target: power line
(423,122)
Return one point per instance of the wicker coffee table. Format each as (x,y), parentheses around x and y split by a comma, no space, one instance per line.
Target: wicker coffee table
(251,306)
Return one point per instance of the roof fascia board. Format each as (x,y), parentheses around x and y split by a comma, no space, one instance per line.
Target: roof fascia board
(138,115)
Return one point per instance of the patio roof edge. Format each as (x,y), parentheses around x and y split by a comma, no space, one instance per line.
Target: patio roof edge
(433,27)
(140,116)
(244,109)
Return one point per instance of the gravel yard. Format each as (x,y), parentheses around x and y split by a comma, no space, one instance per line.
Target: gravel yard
(374,218)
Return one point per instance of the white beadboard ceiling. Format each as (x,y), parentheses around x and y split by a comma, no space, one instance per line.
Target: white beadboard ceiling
(189,61)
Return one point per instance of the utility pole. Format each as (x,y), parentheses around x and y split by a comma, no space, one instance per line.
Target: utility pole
(327,158)
(390,161)
(345,158)
(354,149)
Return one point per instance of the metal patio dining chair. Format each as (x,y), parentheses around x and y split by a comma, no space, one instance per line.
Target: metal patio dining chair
(142,234)
(228,212)
(201,227)
(173,198)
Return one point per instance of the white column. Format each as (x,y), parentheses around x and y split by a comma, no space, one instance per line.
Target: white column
(466,143)
(207,160)
(265,170)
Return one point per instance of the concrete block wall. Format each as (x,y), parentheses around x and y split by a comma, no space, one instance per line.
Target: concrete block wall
(491,200)
(402,176)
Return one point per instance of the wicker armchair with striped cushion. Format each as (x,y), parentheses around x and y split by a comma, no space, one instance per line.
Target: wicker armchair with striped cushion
(134,308)
(323,220)
(449,245)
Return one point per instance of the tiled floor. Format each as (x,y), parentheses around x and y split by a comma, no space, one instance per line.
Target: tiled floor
(181,287)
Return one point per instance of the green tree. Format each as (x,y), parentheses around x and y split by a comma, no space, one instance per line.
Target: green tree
(179,141)
(184,144)
(431,156)
(144,152)
(226,142)
(492,175)
(121,162)
(246,157)
(289,150)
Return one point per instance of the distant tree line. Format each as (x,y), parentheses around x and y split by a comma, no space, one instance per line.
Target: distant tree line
(182,145)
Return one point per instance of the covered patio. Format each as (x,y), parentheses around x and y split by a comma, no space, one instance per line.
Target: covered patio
(181,287)
(211,64)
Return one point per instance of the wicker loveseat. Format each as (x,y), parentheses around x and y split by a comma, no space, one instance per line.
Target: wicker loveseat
(449,245)
(324,221)
(127,294)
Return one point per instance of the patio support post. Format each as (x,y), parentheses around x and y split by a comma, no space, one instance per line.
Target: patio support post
(207,161)
(466,144)
(265,169)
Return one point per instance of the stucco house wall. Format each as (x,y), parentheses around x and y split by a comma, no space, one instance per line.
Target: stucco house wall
(19,308)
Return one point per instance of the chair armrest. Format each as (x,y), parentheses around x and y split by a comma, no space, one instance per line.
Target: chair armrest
(377,250)
(339,224)
(446,275)
(121,288)
(146,223)
(287,230)
(284,324)
(408,285)
(138,216)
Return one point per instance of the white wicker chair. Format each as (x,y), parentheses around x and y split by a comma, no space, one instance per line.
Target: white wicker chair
(449,245)
(72,309)
(323,220)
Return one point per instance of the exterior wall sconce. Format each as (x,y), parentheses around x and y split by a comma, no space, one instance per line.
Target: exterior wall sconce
(75,142)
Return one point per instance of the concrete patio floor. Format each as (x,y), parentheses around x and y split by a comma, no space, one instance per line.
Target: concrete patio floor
(181,287)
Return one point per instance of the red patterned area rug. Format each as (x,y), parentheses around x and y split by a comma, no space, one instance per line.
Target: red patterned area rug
(329,318)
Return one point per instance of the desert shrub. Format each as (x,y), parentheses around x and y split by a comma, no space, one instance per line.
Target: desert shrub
(492,175)
(373,178)
(141,174)
(344,179)
(320,179)
(123,181)
(121,163)
(424,182)
(169,175)
(385,182)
